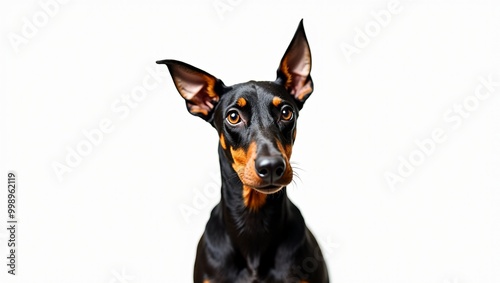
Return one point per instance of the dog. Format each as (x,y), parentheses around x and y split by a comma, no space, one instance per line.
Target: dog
(255,233)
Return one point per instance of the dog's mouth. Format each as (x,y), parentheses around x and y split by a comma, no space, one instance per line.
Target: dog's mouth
(270,189)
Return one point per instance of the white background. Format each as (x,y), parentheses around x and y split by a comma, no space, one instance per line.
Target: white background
(116,217)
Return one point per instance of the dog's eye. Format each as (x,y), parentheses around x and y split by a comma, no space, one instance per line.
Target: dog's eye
(233,117)
(286,113)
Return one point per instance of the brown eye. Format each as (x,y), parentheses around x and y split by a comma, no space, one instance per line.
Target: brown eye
(233,117)
(286,113)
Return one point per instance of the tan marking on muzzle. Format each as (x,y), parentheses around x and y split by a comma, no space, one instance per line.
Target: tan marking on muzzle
(244,165)
(286,152)
(223,141)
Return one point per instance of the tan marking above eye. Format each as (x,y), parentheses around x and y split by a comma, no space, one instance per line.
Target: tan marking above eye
(277,101)
(241,102)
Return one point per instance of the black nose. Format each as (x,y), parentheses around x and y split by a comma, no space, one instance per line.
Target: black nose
(270,168)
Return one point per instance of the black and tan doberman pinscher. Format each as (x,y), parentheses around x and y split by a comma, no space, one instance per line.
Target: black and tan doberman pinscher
(255,233)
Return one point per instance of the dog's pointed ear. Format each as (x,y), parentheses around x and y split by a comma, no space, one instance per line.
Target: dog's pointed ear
(295,67)
(201,90)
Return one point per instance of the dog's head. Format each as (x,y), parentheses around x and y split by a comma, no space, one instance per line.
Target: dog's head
(256,121)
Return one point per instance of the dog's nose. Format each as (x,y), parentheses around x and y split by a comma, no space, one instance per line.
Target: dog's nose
(270,168)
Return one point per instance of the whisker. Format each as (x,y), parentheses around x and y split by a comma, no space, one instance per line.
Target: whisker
(296,166)
(297,177)
(295,173)
(294,184)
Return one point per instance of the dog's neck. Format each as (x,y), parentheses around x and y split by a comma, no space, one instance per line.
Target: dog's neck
(251,230)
